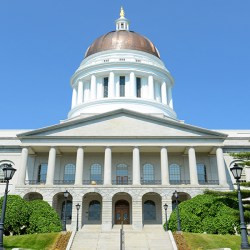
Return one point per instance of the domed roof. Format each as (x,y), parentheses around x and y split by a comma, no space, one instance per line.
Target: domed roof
(122,39)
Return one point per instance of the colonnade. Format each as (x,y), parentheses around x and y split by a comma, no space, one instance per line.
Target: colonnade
(91,88)
(135,165)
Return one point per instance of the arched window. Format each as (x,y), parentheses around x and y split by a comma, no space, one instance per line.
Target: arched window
(148,173)
(174,174)
(94,210)
(68,210)
(96,173)
(69,173)
(121,174)
(202,173)
(149,210)
(42,173)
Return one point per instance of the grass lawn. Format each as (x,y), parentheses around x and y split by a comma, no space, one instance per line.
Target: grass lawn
(31,241)
(210,241)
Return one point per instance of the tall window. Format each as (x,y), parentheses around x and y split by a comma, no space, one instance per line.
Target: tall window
(148,173)
(69,173)
(94,210)
(149,210)
(202,174)
(138,87)
(122,174)
(68,210)
(96,173)
(174,174)
(122,85)
(105,86)
(42,173)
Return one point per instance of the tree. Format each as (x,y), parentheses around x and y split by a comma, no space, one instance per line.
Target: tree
(210,213)
(243,156)
(29,216)
(16,216)
(43,218)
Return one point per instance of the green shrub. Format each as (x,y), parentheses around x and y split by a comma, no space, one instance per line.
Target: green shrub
(16,215)
(207,213)
(43,218)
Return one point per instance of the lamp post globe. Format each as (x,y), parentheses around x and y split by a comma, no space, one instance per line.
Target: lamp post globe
(65,194)
(9,172)
(237,171)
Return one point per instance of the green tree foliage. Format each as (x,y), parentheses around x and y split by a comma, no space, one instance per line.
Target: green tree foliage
(23,216)
(215,214)
(43,218)
(16,215)
(243,156)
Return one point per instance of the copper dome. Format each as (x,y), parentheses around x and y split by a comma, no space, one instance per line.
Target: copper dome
(122,39)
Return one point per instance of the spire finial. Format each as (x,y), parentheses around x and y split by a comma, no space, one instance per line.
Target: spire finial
(122,13)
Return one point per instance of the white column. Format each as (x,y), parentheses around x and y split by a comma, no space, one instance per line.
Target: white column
(51,166)
(192,167)
(144,88)
(221,167)
(136,166)
(164,93)
(151,89)
(93,87)
(86,90)
(164,167)
(23,166)
(79,166)
(111,90)
(74,98)
(170,100)
(106,214)
(80,92)
(107,166)
(132,84)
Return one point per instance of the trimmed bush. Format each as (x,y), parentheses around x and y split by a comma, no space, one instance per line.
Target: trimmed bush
(207,213)
(43,218)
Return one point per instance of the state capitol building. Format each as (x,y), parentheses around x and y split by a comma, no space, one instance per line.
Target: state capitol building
(122,150)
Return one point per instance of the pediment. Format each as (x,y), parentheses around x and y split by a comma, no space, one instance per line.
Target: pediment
(122,123)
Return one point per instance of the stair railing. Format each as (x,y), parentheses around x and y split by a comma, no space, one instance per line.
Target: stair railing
(122,242)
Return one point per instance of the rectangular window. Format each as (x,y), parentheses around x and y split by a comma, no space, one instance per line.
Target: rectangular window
(122,86)
(138,87)
(202,175)
(105,86)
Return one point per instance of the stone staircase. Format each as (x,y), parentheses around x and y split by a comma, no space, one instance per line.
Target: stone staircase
(152,237)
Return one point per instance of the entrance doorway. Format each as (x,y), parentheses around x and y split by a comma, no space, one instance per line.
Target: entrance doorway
(122,212)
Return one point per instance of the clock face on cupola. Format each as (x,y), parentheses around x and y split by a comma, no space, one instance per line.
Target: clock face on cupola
(122,70)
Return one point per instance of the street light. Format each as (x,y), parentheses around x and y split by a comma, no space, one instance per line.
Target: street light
(65,194)
(8,171)
(177,211)
(236,171)
(77,214)
(165,206)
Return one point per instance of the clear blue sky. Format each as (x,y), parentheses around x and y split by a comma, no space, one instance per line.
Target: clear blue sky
(205,45)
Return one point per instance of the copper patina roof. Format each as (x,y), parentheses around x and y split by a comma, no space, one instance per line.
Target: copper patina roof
(122,39)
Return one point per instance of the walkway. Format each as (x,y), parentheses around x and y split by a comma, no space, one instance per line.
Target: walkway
(150,238)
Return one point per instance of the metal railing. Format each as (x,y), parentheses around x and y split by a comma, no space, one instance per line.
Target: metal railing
(64,182)
(151,182)
(179,182)
(122,240)
(92,182)
(121,182)
(209,182)
(35,182)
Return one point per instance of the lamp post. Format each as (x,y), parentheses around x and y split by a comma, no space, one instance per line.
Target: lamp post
(177,211)
(165,206)
(65,194)
(236,171)
(8,171)
(77,214)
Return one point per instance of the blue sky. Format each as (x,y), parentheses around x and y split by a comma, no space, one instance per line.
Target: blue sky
(205,45)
